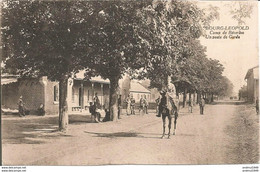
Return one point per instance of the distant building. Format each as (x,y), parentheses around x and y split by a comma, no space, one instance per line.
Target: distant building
(252,78)
(138,91)
(124,86)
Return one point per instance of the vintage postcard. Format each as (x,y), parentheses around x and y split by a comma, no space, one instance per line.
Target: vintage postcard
(149,82)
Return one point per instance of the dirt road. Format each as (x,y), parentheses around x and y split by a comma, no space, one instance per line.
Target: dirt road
(225,134)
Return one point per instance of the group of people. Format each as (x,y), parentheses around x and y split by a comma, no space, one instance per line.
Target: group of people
(190,103)
(201,102)
(94,108)
(130,105)
(22,110)
(143,106)
(161,100)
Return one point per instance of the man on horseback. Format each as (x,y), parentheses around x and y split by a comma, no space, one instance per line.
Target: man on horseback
(168,107)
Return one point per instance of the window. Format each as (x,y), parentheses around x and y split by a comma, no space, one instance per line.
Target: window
(56,93)
(80,96)
(88,95)
(73,95)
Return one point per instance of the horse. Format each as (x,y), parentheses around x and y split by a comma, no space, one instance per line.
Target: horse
(169,113)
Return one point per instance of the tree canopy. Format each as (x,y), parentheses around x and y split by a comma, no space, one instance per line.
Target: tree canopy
(148,39)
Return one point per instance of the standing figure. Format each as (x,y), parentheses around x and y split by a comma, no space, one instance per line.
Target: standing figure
(146,105)
(160,104)
(128,105)
(190,104)
(96,102)
(119,106)
(21,107)
(157,101)
(141,104)
(257,105)
(96,108)
(132,105)
(202,104)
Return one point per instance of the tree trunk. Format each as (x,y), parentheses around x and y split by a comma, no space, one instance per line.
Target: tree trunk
(198,97)
(63,104)
(184,98)
(212,98)
(113,98)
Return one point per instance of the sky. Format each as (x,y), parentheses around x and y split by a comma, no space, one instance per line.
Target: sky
(237,55)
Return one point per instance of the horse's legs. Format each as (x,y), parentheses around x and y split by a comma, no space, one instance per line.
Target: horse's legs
(169,125)
(163,119)
(175,122)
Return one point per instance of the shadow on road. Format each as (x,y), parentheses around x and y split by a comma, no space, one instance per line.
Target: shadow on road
(28,130)
(136,135)
(124,134)
(229,103)
(80,119)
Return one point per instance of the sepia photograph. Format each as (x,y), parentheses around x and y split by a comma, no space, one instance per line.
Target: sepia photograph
(129,82)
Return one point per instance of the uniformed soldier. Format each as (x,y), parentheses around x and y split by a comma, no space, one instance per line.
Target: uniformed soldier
(21,107)
(202,104)
(132,105)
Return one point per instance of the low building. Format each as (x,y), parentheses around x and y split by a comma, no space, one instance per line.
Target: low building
(37,91)
(83,91)
(252,79)
(138,91)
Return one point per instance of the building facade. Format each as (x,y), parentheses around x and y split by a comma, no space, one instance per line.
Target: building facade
(37,91)
(82,91)
(252,79)
(138,91)
(34,92)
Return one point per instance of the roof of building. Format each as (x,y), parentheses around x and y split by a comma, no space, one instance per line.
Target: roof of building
(137,87)
(80,76)
(253,71)
(7,79)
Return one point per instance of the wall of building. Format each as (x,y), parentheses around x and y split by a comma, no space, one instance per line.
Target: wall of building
(34,91)
(250,88)
(256,89)
(89,92)
(31,90)
(51,103)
